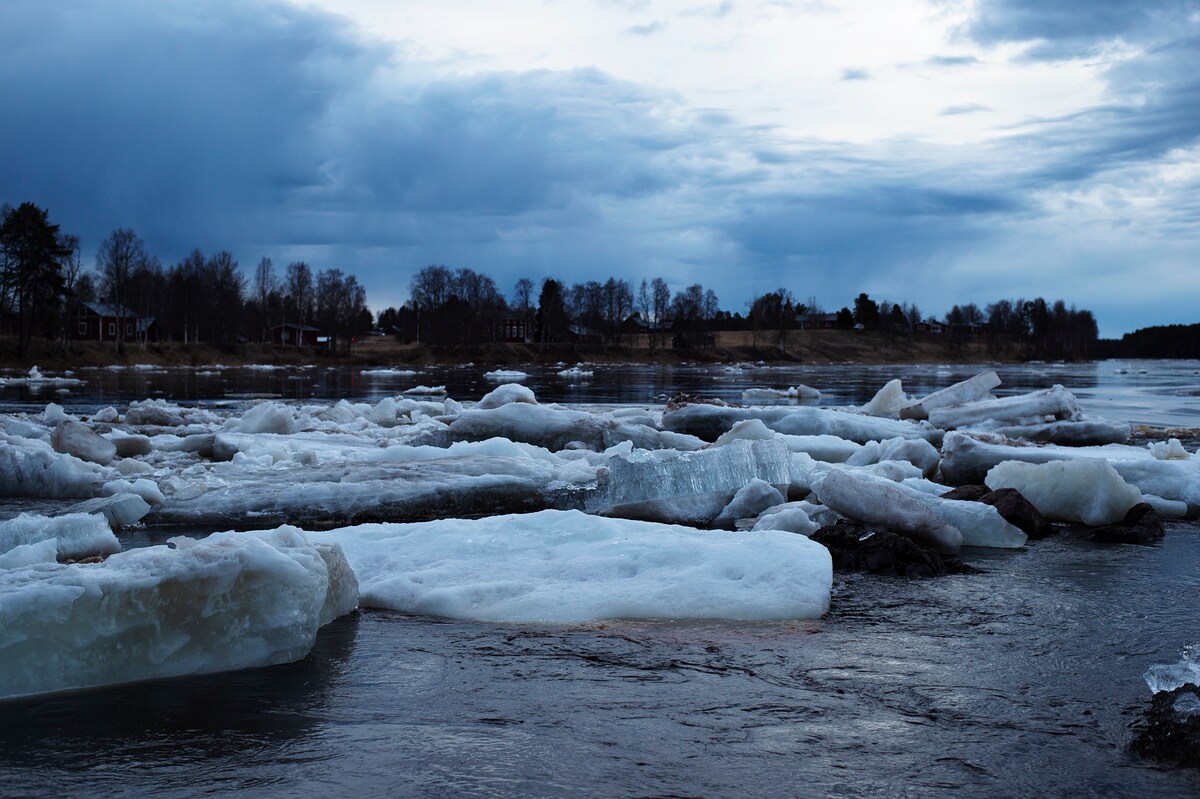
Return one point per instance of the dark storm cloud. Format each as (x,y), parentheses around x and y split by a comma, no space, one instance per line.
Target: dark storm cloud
(253,121)
(271,129)
(1072,26)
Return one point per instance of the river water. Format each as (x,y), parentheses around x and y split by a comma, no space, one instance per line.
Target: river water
(1021,680)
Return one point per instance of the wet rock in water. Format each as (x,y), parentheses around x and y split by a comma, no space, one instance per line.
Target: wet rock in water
(1010,504)
(76,438)
(681,399)
(1141,526)
(856,548)
(1169,732)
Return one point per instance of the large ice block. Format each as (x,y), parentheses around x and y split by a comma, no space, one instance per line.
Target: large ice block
(227,602)
(1086,490)
(568,567)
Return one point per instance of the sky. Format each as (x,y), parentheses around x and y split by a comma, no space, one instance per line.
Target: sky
(925,151)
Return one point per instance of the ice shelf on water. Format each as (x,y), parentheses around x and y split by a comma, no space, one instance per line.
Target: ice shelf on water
(968,459)
(506,374)
(569,567)
(800,392)
(35,378)
(227,602)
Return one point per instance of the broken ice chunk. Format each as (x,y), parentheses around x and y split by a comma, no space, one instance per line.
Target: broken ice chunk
(976,388)
(1086,490)
(750,500)
(1032,408)
(79,535)
(688,487)
(871,501)
(120,510)
(888,401)
(76,438)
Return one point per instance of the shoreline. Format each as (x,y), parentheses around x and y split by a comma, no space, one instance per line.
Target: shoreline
(801,348)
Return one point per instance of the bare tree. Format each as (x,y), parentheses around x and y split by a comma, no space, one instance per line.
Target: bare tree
(119,256)
(299,284)
(264,286)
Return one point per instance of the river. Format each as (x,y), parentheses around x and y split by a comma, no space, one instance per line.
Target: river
(1021,680)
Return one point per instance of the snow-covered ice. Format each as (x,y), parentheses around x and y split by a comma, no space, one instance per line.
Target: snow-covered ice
(505,375)
(569,567)
(230,601)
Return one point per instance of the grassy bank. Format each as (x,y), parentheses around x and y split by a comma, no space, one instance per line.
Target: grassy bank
(814,347)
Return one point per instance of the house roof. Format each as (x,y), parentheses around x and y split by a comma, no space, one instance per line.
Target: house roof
(293,326)
(109,309)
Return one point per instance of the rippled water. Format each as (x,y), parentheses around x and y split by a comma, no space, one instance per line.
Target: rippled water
(1018,681)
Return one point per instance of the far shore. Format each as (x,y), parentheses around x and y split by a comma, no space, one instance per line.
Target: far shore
(797,347)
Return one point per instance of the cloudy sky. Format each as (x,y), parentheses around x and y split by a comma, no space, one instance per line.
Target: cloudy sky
(930,151)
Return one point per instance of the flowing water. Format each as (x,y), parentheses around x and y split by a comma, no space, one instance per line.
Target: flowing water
(1021,680)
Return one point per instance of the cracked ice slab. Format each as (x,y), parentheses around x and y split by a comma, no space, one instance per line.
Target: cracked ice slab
(688,487)
(569,567)
(554,428)
(230,601)
(708,422)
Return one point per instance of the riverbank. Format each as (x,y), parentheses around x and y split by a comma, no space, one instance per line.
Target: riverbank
(800,347)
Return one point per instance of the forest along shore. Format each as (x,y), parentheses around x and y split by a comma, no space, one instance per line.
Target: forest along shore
(798,346)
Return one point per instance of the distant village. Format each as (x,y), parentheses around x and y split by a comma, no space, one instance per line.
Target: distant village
(131,299)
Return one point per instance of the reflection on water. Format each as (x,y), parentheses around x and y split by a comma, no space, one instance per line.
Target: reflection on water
(1141,392)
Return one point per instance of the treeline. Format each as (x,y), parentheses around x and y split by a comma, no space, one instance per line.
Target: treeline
(460,307)
(1159,341)
(43,287)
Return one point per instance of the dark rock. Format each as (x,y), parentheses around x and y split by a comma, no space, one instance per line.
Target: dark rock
(1169,732)
(968,493)
(855,548)
(1011,505)
(1140,526)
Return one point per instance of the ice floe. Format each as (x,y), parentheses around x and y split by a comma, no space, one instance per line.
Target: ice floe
(505,375)
(567,567)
